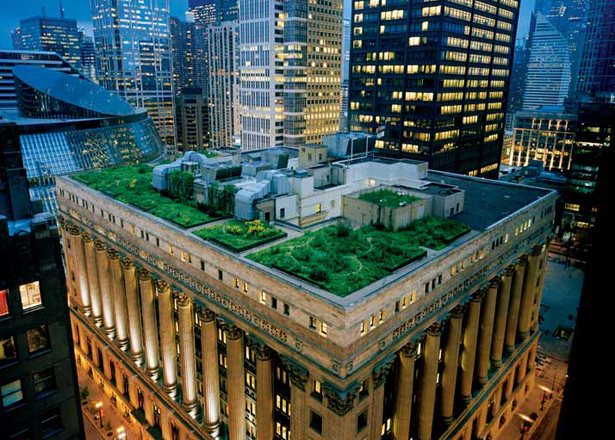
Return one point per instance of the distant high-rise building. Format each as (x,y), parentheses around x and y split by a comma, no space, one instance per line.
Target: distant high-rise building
(88,58)
(433,79)
(223,84)
(205,14)
(597,71)
(192,120)
(133,57)
(548,75)
(183,46)
(38,376)
(59,35)
(290,69)
(517,82)
(345,75)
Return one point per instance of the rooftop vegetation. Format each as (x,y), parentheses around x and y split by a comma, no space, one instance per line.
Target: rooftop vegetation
(240,236)
(341,260)
(388,198)
(132,184)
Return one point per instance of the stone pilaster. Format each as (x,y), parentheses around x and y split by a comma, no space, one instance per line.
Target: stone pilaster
(379,376)
(264,393)
(92,271)
(298,378)
(501,316)
(468,353)
(106,294)
(134,310)
(486,331)
(167,337)
(535,325)
(527,296)
(451,364)
(209,361)
(340,419)
(81,270)
(150,329)
(403,398)
(427,394)
(515,303)
(509,386)
(187,351)
(236,384)
(119,298)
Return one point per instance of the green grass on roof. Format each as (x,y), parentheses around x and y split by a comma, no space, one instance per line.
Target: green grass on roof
(132,184)
(386,197)
(240,236)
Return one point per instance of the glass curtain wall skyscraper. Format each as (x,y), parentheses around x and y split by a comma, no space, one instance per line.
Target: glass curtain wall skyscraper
(133,56)
(433,78)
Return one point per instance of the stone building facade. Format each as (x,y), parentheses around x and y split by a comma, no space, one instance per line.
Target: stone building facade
(194,341)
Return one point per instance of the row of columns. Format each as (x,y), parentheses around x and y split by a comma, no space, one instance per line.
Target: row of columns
(495,318)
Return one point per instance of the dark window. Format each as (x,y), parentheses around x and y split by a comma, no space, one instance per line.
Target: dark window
(316,422)
(274,303)
(174,432)
(19,432)
(362,421)
(44,382)
(156,416)
(282,212)
(364,392)
(51,422)
(38,339)
(286,309)
(220,275)
(202,265)
(8,352)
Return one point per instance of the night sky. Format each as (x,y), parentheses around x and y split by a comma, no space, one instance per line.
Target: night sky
(11,11)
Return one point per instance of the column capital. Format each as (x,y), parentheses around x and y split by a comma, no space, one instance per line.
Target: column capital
(72,229)
(207,315)
(510,270)
(478,295)
(340,402)
(435,329)
(127,263)
(99,245)
(112,254)
(234,332)
(381,370)
(144,274)
(162,286)
(297,373)
(263,353)
(458,311)
(86,237)
(536,250)
(408,350)
(495,282)
(183,300)
(522,261)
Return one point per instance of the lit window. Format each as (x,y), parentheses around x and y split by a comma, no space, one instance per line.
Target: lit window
(362,327)
(30,295)
(11,393)
(38,339)
(237,283)
(323,329)
(382,316)
(318,207)
(4,302)
(263,297)
(245,287)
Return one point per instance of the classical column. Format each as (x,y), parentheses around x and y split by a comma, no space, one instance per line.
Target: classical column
(106,295)
(427,395)
(92,271)
(486,331)
(522,368)
(403,398)
(298,378)
(209,361)
(150,330)
(236,384)
(81,270)
(468,353)
(134,310)
(515,304)
(264,393)
(186,351)
(119,298)
(451,365)
(167,337)
(541,273)
(527,297)
(501,315)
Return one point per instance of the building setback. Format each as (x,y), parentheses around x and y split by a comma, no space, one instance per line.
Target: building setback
(434,77)
(206,342)
(38,377)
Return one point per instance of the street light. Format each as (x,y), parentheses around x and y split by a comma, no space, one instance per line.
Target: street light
(100,413)
(121,435)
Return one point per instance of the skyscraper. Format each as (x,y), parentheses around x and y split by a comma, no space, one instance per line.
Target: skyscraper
(133,57)
(206,14)
(59,35)
(548,75)
(183,46)
(597,72)
(433,78)
(88,57)
(290,68)
(345,75)
(192,120)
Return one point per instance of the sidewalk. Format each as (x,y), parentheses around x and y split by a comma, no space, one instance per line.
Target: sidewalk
(110,413)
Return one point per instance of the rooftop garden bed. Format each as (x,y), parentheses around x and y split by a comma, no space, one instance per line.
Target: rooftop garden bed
(342,261)
(132,184)
(388,198)
(240,236)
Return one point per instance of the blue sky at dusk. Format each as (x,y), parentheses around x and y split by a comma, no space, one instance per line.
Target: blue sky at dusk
(12,11)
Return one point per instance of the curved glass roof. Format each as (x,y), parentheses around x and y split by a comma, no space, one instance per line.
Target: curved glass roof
(74,91)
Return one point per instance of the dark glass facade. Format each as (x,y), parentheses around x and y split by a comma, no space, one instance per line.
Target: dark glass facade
(433,77)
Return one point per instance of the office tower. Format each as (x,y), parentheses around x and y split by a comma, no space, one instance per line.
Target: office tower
(183,46)
(16,39)
(545,136)
(517,82)
(11,58)
(290,67)
(206,14)
(38,376)
(597,72)
(66,124)
(134,58)
(433,79)
(239,339)
(547,80)
(59,35)
(192,120)
(223,79)
(345,75)
(88,58)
